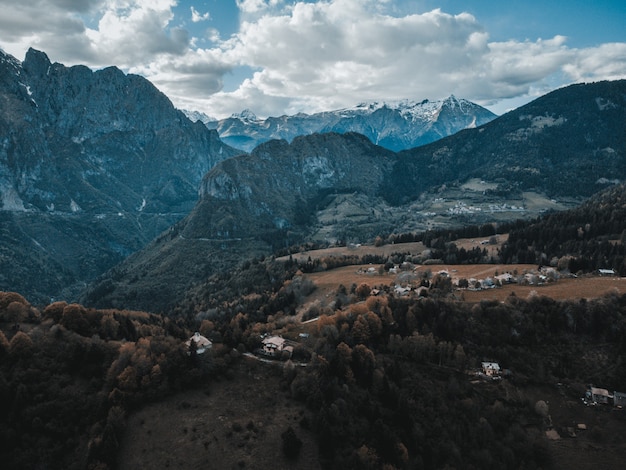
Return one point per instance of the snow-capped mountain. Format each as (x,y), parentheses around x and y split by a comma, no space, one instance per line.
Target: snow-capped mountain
(395,125)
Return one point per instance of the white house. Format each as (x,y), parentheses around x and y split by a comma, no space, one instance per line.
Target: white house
(491,369)
(505,278)
(606,272)
(600,395)
(202,343)
(274,345)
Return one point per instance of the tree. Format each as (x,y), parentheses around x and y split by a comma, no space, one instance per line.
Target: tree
(361,330)
(74,319)
(291,443)
(16,312)
(21,345)
(363,291)
(342,362)
(55,311)
(363,364)
(8,297)
(4,344)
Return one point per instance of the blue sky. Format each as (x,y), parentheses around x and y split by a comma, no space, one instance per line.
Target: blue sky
(279,57)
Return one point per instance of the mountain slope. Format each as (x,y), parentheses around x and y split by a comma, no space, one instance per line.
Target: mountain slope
(249,206)
(570,142)
(93,165)
(394,125)
(282,193)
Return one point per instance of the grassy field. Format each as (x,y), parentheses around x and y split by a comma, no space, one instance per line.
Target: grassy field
(229,424)
(566,288)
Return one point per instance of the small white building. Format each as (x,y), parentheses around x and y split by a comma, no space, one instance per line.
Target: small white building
(606,272)
(274,345)
(600,395)
(505,278)
(491,369)
(202,343)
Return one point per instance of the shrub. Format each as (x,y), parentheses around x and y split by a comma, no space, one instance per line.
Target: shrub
(291,443)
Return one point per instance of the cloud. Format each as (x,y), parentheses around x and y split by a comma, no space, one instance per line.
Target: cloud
(332,54)
(303,56)
(197,17)
(256,6)
(604,62)
(128,33)
(48,26)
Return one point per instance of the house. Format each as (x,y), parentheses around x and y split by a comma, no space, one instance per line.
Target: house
(599,395)
(202,343)
(399,290)
(606,272)
(275,345)
(491,369)
(619,399)
(505,278)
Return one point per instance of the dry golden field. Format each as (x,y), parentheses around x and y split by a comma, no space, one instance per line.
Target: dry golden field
(565,288)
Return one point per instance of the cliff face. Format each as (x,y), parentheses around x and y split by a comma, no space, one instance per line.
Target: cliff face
(104,140)
(102,152)
(278,186)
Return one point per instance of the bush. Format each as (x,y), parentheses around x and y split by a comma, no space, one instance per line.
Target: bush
(291,444)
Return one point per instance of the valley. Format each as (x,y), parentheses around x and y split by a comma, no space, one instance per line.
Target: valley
(357,219)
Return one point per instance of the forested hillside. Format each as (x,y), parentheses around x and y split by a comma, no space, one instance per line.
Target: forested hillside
(584,239)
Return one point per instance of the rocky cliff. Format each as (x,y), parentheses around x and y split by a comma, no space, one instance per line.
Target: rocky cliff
(93,165)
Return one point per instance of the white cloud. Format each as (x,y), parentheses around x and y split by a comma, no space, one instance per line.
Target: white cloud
(256,6)
(130,32)
(306,56)
(196,17)
(604,62)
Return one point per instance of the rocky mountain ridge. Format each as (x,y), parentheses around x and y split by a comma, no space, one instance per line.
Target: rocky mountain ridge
(93,165)
(396,125)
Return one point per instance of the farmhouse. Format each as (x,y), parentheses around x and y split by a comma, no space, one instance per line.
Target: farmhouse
(400,291)
(599,395)
(491,369)
(619,399)
(202,344)
(606,272)
(505,278)
(275,345)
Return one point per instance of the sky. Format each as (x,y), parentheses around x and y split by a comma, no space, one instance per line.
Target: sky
(277,57)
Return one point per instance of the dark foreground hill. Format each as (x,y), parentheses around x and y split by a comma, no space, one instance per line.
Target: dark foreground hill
(390,382)
(344,187)
(93,165)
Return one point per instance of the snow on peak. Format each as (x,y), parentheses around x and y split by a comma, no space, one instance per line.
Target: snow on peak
(246,115)
(195,116)
(409,109)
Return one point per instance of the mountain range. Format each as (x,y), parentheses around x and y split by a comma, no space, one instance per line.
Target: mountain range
(397,125)
(563,146)
(95,164)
